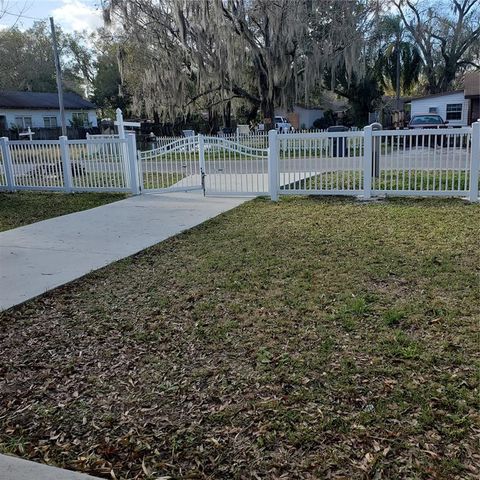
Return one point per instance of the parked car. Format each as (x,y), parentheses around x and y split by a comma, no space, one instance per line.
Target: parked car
(427,121)
(282,125)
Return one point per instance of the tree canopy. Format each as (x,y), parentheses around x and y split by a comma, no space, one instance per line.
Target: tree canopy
(171,59)
(447,35)
(210,52)
(27,63)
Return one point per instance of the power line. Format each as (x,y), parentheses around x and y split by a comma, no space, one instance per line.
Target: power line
(20,15)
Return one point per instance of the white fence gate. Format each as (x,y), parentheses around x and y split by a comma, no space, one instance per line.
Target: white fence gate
(173,166)
(216,164)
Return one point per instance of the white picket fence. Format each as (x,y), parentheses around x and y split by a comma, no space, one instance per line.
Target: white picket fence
(99,164)
(443,162)
(369,162)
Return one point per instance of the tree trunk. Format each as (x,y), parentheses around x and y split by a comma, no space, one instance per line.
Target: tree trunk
(252,114)
(227,114)
(212,121)
(397,77)
(268,111)
(448,76)
(432,86)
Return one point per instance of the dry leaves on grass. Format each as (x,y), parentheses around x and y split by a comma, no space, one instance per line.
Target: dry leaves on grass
(288,340)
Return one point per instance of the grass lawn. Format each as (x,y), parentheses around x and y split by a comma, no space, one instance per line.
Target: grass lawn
(23,208)
(309,339)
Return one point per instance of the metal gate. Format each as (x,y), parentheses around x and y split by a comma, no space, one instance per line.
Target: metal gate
(234,167)
(174,166)
(216,164)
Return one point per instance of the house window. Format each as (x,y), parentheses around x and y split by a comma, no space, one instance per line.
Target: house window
(50,122)
(23,122)
(454,111)
(80,118)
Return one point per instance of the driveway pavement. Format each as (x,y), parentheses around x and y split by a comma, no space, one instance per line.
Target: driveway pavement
(44,255)
(13,468)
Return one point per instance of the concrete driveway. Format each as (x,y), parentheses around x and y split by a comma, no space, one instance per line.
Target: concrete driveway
(14,468)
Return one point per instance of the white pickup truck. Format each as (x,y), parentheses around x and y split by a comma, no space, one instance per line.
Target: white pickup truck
(282,125)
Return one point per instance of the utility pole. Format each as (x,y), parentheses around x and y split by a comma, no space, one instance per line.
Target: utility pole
(59,78)
(397,73)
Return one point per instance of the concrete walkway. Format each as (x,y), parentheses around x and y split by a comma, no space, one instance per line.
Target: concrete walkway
(13,468)
(47,254)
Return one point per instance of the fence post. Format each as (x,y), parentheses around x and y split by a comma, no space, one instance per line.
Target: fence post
(7,163)
(66,164)
(121,136)
(475,163)
(201,153)
(367,162)
(201,160)
(133,161)
(120,125)
(273,177)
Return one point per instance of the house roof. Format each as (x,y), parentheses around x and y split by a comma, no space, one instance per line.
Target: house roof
(437,95)
(43,100)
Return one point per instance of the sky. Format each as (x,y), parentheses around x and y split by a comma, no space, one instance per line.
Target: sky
(69,14)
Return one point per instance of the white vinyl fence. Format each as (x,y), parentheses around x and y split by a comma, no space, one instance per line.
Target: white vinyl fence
(428,162)
(431,162)
(325,163)
(99,164)
(368,162)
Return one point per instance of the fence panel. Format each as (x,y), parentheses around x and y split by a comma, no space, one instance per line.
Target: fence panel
(36,165)
(99,164)
(422,162)
(235,168)
(174,166)
(321,163)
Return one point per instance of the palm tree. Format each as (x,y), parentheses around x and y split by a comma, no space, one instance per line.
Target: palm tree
(399,63)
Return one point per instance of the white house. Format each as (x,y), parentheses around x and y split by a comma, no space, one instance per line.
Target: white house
(451,106)
(41,110)
(301,117)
